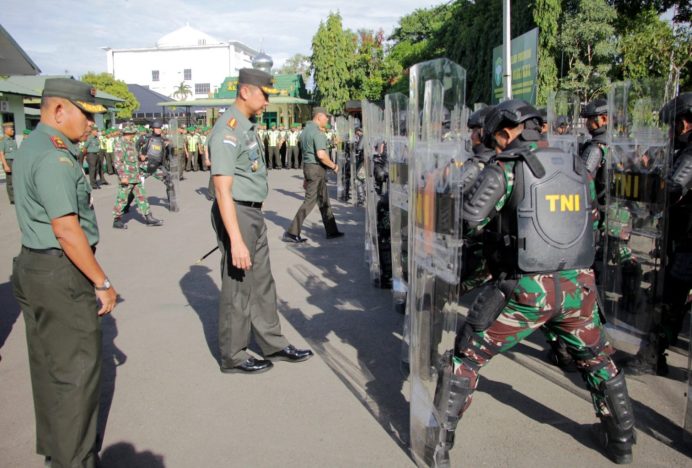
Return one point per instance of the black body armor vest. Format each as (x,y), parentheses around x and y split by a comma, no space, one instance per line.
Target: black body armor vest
(547,224)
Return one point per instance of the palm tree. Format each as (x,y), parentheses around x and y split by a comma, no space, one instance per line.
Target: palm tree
(182,91)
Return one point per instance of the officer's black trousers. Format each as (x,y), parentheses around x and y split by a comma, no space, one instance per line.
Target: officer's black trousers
(292,157)
(93,160)
(63,333)
(8,182)
(315,194)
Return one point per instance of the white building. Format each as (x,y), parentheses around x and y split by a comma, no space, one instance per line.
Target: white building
(185,55)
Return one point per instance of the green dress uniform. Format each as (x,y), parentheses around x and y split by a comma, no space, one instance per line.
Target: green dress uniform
(63,329)
(312,139)
(8,146)
(248,298)
(93,157)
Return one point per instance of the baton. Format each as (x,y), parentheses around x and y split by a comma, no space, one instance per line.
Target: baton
(206,255)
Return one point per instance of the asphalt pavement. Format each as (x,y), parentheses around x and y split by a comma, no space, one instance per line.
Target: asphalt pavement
(165,403)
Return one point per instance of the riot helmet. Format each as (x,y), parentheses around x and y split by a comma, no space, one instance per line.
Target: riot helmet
(511,113)
(594,108)
(477,118)
(156,124)
(674,112)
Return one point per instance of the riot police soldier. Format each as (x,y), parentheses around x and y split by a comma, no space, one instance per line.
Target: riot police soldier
(678,276)
(533,208)
(154,148)
(593,155)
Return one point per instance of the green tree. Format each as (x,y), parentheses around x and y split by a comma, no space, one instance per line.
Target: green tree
(118,88)
(297,64)
(546,15)
(182,92)
(333,50)
(589,45)
(371,73)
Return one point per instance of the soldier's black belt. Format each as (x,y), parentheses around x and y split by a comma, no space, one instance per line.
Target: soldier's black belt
(53,252)
(251,204)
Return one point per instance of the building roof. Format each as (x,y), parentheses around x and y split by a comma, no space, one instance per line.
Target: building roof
(222,102)
(148,99)
(289,85)
(13,59)
(185,37)
(32,86)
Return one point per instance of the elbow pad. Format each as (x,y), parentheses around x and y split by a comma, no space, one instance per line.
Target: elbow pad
(486,192)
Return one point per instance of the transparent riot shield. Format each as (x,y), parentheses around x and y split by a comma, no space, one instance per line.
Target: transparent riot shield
(634,228)
(356,163)
(563,118)
(396,110)
(636,255)
(173,168)
(373,135)
(342,177)
(436,97)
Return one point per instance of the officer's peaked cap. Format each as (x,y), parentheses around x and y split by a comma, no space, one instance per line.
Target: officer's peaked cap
(81,94)
(259,78)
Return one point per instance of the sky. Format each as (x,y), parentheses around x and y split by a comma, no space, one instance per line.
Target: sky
(68,35)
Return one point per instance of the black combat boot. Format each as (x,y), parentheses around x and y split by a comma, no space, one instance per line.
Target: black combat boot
(616,432)
(118,223)
(151,221)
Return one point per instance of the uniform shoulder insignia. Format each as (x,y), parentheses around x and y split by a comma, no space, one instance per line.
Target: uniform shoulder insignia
(66,160)
(232,123)
(57,142)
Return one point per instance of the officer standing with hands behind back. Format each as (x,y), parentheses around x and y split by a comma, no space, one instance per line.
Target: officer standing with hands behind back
(57,281)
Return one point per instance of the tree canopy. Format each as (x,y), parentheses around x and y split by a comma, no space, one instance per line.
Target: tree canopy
(582,46)
(105,82)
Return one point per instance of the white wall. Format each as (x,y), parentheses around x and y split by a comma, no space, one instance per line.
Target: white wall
(208,64)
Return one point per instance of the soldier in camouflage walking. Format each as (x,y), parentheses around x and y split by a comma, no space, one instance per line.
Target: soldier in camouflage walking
(537,280)
(127,165)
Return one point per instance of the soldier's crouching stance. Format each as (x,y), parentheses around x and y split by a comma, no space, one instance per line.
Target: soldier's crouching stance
(534,211)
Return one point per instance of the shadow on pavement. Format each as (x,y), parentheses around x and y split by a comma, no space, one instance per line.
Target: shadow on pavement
(508,395)
(203,295)
(112,358)
(123,455)
(355,313)
(9,312)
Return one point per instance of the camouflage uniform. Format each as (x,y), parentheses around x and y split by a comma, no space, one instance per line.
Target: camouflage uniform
(520,301)
(573,317)
(127,165)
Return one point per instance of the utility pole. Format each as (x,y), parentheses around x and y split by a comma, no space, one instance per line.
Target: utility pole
(506,50)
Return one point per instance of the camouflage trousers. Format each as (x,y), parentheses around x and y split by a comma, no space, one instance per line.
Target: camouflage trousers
(140,199)
(162,174)
(566,304)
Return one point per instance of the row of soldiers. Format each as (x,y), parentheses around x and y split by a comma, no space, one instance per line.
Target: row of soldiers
(524,212)
(282,145)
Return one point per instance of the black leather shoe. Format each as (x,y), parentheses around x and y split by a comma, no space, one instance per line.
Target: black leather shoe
(291,354)
(334,235)
(287,237)
(250,366)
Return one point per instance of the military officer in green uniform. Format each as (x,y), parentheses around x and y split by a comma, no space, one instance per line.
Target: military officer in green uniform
(248,293)
(292,152)
(316,161)
(57,281)
(8,146)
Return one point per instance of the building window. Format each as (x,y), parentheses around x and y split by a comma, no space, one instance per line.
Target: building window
(187,74)
(202,88)
(154,75)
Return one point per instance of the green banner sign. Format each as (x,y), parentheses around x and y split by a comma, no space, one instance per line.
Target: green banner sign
(524,68)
